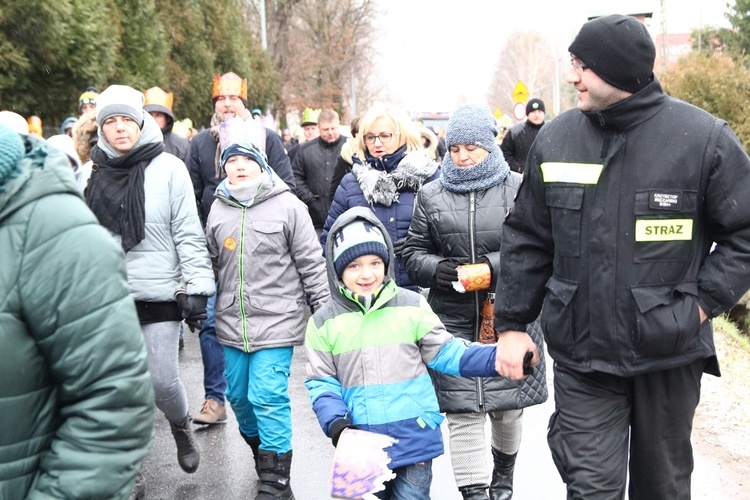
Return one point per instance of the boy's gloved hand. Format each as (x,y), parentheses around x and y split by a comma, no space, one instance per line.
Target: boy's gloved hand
(192,308)
(337,427)
(446,274)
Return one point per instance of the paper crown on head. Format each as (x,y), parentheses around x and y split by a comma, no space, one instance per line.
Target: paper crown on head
(157,98)
(310,117)
(229,84)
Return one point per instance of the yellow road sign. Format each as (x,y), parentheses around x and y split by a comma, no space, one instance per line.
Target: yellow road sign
(520,93)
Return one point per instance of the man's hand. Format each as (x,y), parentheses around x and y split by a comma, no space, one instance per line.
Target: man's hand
(512,346)
(703,315)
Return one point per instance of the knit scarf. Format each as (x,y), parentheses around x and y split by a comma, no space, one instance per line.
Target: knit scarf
(381,179)
(216,121)
(492,171)
(116,191)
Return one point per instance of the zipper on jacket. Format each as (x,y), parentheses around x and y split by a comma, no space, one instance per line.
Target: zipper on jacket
(473,255)
(241,294)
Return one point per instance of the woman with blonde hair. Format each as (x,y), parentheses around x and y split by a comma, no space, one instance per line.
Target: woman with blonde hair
(389,166)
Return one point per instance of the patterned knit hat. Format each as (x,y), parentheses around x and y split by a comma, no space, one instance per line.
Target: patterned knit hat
(244,149)
(11,152)
(88,97)
(355,240)
(472,124)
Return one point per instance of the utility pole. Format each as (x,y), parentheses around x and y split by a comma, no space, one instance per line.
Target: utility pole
(663,36)
(263,39)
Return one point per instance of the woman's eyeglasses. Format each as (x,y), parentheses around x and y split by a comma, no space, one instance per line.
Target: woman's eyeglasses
(385,138)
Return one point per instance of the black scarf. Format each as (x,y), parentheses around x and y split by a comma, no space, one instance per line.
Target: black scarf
(116,193)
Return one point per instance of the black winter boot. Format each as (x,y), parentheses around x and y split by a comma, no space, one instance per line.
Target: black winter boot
(274,475)
(188,455)
(474,492)
(501,487)
(254,443)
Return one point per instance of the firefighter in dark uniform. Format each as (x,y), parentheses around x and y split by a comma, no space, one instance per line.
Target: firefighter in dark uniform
(611,239)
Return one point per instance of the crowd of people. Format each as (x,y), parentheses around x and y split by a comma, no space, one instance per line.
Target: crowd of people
(437,270)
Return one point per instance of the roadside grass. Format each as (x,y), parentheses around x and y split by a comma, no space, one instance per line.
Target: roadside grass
(723,415)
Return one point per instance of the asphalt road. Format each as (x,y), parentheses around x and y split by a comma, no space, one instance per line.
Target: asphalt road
(226,470)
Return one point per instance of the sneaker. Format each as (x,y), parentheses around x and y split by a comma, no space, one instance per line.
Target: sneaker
(212,412)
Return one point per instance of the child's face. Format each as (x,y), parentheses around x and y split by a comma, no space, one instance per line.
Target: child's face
(241,169)
(364,275)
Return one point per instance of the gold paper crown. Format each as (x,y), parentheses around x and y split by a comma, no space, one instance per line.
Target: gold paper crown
(310,116)
(158,97)
(229,84)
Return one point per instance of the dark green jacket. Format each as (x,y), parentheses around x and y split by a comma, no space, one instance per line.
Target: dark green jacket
(76,402)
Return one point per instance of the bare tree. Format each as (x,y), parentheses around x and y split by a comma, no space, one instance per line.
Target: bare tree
(321,51)
(528,57)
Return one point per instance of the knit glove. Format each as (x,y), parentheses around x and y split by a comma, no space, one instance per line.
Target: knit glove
(446,274)
(337,427)
(192,308)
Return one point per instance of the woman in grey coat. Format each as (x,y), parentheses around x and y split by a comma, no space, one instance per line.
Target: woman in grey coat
(145,198)
(457,221)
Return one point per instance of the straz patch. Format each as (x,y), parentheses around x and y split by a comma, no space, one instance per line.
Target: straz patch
(665,200)
(230,244)
(664,230)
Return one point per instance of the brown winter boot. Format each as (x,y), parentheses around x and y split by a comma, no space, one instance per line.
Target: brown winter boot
(188,455)
(501,487)
(274,475)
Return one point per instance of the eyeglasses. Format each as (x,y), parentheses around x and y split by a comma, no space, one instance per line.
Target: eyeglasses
(385,138)
(578,66)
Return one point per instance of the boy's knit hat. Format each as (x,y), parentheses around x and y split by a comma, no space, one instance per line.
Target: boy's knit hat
(244,149)
(472,124)
(120,100)
(618,49)
(355,240)
(11,152)
(534,105)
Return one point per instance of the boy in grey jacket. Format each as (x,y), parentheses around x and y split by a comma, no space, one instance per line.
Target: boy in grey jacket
(267,256)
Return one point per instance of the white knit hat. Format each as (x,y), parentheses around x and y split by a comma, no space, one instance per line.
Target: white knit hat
(120,100)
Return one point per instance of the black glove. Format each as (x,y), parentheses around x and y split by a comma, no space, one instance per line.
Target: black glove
(337,427)
(484,260)
(446,274)
(398,247)
(192,308)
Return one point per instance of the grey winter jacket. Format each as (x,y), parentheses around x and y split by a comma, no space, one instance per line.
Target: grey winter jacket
(267,256)
(466,227)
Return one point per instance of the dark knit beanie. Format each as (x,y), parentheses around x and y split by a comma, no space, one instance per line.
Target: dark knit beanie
(472,124)
(618,49)
(355,240)
(534,105)
(246,149)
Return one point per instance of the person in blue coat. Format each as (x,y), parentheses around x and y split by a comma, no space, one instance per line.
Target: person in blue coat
(389,167)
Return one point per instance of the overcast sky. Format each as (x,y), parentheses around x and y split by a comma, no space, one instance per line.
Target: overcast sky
(435,54)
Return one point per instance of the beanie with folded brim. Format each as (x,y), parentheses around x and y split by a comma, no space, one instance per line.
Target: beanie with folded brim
(619,49)
(120,100)
(356,239)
